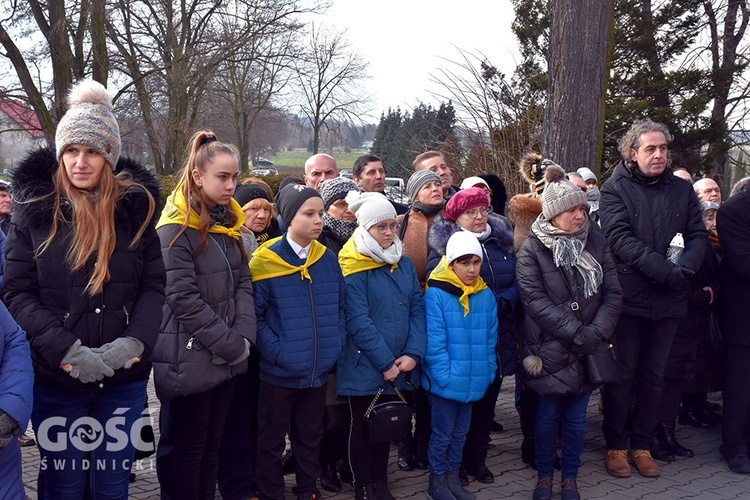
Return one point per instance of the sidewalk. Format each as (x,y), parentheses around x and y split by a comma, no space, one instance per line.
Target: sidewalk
(704,476)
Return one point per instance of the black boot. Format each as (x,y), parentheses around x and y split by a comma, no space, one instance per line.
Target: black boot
(364,493)
(528,452)
(660,449)
(669,439)
(406,454)
(329,479)
(381,491)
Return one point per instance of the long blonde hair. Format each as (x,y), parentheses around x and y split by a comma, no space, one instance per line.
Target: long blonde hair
(93,221)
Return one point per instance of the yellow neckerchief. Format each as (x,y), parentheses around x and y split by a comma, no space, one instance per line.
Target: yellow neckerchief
(267,264)
(444,273)
(176,209)
(351,261)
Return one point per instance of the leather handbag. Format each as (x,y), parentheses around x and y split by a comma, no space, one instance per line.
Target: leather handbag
(389,421)
(602,366)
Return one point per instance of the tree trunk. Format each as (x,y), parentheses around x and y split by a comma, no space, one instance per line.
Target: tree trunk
(580,39)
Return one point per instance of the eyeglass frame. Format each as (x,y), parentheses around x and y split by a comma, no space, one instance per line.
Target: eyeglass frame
(477,212)
(394,227)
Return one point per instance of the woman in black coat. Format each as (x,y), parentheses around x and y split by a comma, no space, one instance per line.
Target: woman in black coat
(572,300)
(84,277)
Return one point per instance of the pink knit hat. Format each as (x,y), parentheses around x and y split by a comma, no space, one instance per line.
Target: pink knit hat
(464,200)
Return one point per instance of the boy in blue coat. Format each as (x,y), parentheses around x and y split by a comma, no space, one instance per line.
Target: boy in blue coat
(301,323)
(460,361)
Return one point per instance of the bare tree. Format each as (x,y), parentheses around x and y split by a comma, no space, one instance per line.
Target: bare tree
(329,79)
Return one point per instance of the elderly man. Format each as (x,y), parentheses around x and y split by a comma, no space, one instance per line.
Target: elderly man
(708,190)
(318,168)
(435,161)
(643,207)
(5,202)
(369,174)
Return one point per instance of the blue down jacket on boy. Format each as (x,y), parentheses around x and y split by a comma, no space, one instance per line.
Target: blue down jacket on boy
(301,323)
(460,362)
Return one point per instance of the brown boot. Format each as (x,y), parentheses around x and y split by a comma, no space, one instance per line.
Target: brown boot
(644,463)
(617,463)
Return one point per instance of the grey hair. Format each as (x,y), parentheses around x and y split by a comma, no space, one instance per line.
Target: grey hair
(632,138)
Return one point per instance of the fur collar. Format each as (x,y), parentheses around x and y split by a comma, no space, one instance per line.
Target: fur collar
(441,230)
(32,180)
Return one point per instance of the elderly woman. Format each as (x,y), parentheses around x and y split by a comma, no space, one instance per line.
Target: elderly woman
(260,223)
(470,210)
(339,222)
(565,262)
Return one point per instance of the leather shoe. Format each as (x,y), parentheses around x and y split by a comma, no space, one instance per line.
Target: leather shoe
(617,463)
(24,441)
(569,490)
(482,474)
(463,478)
(694,419)
(543,489)
(660,450)
(497,427)
(739,463)
(644,463)
(329,480)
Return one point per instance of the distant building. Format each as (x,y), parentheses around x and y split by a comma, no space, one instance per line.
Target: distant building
(20,131)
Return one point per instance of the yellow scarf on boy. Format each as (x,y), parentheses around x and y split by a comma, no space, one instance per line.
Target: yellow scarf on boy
(351,261)
(267,264)
(444,273)
(176,210)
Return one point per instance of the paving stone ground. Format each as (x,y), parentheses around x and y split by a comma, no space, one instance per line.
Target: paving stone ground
(702,477)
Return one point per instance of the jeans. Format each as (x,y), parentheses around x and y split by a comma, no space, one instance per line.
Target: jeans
(572,409)
(450,423)
(86,436)
(643,348)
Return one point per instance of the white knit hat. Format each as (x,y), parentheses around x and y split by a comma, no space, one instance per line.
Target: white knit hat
(462,243)
(370,208)
(474,181)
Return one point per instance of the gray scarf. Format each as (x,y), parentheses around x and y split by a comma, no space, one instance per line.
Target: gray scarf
(568,251)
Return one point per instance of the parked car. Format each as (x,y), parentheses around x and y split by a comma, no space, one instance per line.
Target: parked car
(259,172)
(263,162)
(346,173)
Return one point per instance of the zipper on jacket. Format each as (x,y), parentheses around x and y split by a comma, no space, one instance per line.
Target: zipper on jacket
(190,342)
(315,335)
(127,315)
(65,318)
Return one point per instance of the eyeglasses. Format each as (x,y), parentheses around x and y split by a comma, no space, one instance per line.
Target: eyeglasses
(475,213)
(383,227)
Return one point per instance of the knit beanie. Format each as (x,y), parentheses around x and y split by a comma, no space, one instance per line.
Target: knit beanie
(291,198)
(89,121)
(370,208)
(587,174)
(245,193)
(462,243)
(474,181)
(560,195)
(709,205)
(419,179)
(464,200)
(289,180)
(336,189)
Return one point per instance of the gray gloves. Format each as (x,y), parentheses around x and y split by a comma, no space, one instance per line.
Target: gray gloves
(84,364)
(121,352)
(218,360)
(8,428)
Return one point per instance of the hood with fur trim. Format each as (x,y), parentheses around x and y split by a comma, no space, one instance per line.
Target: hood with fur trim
(32,184)
(442,229)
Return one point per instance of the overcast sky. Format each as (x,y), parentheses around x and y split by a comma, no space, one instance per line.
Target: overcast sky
(404,41)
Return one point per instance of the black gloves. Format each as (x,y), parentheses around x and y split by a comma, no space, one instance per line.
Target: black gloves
(679,278)
(586,341)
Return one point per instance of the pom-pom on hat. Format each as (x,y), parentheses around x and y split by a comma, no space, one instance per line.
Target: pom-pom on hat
(89,121)
(419,179)
(245,193)
(291,198)
(533,167)
(370,208)
(560,195)
(462,243)
(336,189)
(464,200)
(473,182)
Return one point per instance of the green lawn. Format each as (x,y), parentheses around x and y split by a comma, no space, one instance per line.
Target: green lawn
(291,161)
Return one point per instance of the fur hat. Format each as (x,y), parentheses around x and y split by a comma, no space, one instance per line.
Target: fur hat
(245,193)
(473,182)
(291,198)
(532,168)
(336,189)
(462,243)
(419,179)
(89,121)
(464,200)
(370,208)
(560,194)
(587,174)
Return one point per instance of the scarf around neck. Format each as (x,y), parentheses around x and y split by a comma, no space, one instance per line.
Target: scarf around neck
(342,229)
(480,236)
(267,264)
(362,253)
(445,274)
(176,211)
(568,251)
(427,209)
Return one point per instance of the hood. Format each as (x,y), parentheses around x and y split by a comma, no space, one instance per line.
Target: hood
(32,184)
(441,230)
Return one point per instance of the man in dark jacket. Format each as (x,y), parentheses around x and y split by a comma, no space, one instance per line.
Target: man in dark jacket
(734,235)
(369,174)
(642,209)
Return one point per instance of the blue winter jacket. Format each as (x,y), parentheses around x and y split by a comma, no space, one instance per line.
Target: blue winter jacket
(301,324)
(460,362)
(16,392)
(385,320)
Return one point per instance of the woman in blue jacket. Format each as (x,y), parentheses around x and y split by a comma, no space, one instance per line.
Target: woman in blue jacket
(385,323)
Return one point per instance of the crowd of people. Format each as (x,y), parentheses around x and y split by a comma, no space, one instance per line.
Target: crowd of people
(282,317)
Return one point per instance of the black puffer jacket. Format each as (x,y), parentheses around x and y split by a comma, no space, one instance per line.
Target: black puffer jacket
(50,302)
(550,324)
(209,312)
(639,221)
(733,221)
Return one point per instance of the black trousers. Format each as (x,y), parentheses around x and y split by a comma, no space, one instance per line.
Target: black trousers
(736,421)
(643,347)
(482,417)
(187,458)
(299,411)
(369,462)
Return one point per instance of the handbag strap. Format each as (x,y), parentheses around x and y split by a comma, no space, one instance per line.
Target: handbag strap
(575,306)
(377,396)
